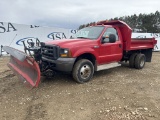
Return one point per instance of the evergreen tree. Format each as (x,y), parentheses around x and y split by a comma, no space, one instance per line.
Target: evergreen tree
(142,22)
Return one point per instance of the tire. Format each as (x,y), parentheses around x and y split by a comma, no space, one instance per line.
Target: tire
(140,61)
(132,60)
(83,71)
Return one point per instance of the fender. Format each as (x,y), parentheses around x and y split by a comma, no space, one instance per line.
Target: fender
(86,50)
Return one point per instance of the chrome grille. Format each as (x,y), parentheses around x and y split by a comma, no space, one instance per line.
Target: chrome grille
(50,52)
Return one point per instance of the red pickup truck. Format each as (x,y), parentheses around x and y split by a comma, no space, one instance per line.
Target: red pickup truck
(102,46)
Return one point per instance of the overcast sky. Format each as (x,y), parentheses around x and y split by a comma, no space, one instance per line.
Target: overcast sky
(71,13)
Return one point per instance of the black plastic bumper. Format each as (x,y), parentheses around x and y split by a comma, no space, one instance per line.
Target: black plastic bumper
(62,64)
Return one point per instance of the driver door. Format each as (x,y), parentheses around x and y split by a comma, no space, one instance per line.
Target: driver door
(110,52)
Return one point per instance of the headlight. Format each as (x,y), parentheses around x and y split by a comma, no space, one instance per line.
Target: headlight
(65,53)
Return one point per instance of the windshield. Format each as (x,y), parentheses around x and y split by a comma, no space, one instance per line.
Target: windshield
(90,32)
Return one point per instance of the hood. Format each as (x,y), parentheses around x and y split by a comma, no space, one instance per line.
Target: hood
(68,43)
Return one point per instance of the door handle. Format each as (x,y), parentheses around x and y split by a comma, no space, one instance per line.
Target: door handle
(120,45)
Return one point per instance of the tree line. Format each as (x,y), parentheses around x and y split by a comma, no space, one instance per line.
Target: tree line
(139,23)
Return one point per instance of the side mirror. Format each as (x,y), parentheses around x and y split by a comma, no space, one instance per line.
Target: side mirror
(105,39)
(112,38)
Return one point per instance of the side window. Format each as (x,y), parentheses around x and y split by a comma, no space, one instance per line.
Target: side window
(110,31)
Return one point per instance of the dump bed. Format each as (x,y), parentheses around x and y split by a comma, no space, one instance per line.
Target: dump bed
(128,42)
(141,43)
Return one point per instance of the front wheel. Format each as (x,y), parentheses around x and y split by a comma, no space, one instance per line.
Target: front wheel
(83,71)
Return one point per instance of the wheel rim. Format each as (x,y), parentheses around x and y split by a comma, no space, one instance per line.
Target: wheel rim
(142,62)
(85,71)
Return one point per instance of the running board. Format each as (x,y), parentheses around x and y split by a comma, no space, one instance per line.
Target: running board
(108,66)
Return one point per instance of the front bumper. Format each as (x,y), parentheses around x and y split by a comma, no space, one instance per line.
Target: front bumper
(61,64)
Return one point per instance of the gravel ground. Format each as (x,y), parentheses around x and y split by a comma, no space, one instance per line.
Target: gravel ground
(116,94)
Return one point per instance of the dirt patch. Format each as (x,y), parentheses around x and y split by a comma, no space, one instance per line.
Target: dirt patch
(8,76)
(116,94)
(36,111)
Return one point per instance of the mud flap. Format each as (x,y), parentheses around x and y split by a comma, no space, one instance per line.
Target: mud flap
(24,67)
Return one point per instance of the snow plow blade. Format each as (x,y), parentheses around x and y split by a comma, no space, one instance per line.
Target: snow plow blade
(24,67)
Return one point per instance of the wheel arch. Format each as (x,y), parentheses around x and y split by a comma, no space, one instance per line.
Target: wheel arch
(88,56)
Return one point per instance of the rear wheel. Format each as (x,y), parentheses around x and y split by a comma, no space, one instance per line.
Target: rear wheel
(132,60)
(140,61)
(83,71)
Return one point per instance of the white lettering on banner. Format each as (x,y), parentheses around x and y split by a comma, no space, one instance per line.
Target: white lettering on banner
(56,35)
(34,26)
(73,34)
(19,42)
(156,47)
(73,31)
(7,28)
(155,35)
